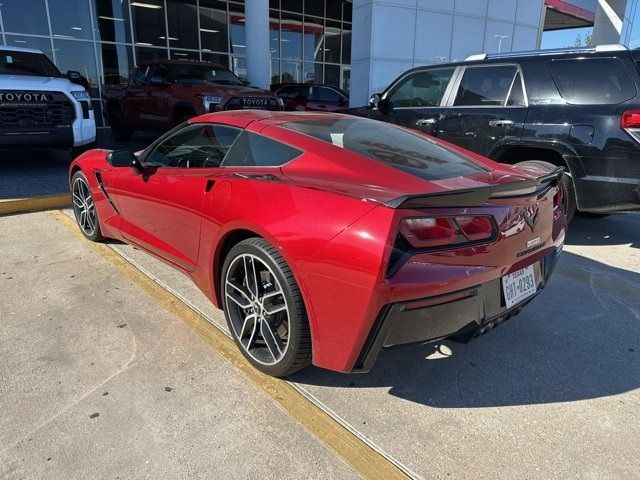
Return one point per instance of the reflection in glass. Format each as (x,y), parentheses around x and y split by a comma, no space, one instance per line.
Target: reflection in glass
(313,35)
(79,56)
(184,55)
(274,34)
(313,73)
(236,29)
(346,43)
(43,44)
(70,21)
(217,58)
(145,54)
(291,72)
(239,66)
(291,36)
(213,26)
(183,20)
(117,62)
(332,75)
(148,22)
(25,16)
(275,71)
(111,18)
(332,42)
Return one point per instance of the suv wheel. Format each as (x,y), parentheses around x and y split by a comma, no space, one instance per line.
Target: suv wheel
(567,185)
(119,128)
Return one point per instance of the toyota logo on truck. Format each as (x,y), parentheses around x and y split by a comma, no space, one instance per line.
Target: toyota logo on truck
(26,97)
(255,102)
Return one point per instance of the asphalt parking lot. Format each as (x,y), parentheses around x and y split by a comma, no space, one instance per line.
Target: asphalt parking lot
(103,380)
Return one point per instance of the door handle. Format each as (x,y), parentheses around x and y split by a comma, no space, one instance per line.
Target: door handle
(501,123)
(423,122)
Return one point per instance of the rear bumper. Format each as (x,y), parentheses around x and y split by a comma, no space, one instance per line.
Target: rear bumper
(458,316)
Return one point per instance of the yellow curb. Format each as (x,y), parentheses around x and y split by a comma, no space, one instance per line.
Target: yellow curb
(366,461)
(34,204)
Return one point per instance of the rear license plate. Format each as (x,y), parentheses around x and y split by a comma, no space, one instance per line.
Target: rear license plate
(519,285)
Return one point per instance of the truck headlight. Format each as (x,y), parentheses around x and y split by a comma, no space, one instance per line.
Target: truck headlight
(280,102)
(81,95)
(209,100)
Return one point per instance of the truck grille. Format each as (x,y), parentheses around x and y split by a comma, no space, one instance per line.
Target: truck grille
(57,111)
(261,103)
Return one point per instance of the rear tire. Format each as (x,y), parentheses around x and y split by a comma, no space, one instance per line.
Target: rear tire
(570,204)
(264,308)
(119,128)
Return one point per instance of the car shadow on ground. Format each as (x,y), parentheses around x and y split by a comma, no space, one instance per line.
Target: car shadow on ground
(616,229)
(579,339)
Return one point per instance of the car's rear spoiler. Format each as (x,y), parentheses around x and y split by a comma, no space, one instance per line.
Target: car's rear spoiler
(475,197)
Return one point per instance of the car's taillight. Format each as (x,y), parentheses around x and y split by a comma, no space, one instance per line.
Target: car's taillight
(630,119)
(558,198)
(476,228)
(428,232)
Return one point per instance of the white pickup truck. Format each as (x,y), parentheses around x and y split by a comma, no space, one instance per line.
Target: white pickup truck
(40,107)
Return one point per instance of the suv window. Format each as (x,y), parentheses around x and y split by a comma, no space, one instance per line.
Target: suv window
(140,75)
(27,63)
(289,92)
(253,150)
(421,89)
(323,94)
(593,81)
(195,146)
(485,86)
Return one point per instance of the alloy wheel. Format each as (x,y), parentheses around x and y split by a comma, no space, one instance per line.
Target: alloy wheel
(83,206)
(257,309)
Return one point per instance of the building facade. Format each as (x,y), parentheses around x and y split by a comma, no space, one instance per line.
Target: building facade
(309,40)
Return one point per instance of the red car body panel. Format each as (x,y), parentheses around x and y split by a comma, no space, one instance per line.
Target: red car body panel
(325,212)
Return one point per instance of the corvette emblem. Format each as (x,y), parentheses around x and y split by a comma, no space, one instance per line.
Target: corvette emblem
(530,216)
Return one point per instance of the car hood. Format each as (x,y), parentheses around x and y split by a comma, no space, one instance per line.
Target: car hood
(228,90)
(26,82)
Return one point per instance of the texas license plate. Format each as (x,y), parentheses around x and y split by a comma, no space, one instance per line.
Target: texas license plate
(519,285)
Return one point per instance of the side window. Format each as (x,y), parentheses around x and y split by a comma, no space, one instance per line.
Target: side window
(516,96)
(253,150)
(195,146)
(140,75)
(160,72)
(594,81)
(421,89)
(288,92)
(323,94)
(485,86)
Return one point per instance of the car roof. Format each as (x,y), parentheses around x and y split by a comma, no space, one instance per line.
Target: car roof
(272,117)
(180,62)
(9,48)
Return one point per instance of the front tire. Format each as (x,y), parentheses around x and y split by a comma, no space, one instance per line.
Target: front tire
(264,308)
(570,203)
(84,208)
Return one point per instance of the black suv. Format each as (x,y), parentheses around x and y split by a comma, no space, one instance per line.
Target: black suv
(577,108)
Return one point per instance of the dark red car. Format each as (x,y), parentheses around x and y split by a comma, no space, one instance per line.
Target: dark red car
(311,96)
(164,93)
(326,237)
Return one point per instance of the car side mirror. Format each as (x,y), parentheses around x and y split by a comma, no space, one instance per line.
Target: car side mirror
(245,82)
(74,75)
(125,158)
(158,81)
(385,106)
(374,100)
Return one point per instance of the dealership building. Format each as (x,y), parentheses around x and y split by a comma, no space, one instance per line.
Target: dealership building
(359,45)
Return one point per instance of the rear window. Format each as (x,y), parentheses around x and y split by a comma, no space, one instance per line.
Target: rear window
(389,144)
(253,150)
(592,81)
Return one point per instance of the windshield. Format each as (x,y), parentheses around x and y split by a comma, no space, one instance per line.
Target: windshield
(27,63)
(389,144)
(203,75)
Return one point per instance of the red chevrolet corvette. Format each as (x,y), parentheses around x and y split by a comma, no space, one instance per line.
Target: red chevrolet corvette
(326,237)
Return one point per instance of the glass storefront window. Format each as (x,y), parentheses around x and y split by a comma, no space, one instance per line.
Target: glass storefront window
(314,7)
(332,75)
(70,22)
(291,72)
(313,36)
(332,42)
(291,37)
(313,73)
(117,62)
(218,58)
(145,54)
(236,29)
(275,71)
(183,20)
(239,66)
(213,26)
(79,56)
(111,21)
(148,22)
(334,9)
(184,55)
(346,43)
(25,16)
(274,34)
(39,43)
(291,5)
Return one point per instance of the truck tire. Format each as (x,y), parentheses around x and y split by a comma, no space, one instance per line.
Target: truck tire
(119,128)
(570,204)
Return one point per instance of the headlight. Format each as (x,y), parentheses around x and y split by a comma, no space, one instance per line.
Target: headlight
(208,100)
(280,101)
(81,95)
